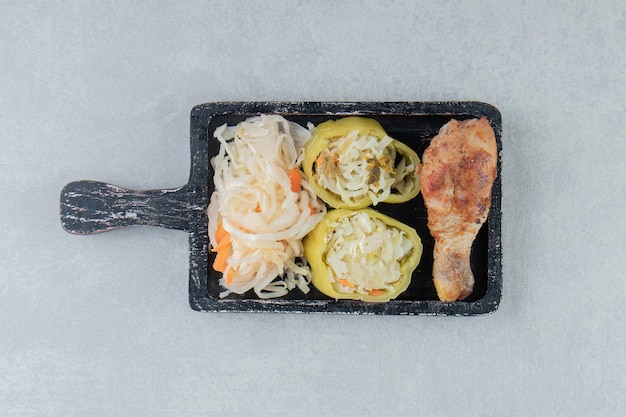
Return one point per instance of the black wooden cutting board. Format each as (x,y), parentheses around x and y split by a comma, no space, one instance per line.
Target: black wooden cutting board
(92,207)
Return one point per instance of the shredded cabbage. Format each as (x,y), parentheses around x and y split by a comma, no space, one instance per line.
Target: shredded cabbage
(356,165)
(257,207)
(364,254)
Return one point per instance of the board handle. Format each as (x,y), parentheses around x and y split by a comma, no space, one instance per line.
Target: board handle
(92,207)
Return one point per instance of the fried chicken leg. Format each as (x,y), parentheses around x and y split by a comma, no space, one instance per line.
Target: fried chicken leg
(457,173)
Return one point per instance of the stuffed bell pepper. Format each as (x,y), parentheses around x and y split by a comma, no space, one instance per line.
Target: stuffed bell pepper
(362,255)
(352,163)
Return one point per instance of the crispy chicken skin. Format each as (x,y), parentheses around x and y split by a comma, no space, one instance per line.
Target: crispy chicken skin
(457,173)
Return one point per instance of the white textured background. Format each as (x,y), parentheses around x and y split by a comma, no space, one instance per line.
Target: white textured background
(100,325)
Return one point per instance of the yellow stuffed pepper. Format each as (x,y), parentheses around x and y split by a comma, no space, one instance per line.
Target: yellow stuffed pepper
(352,163)
(362,255)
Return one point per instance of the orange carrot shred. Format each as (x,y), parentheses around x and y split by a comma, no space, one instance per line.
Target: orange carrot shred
(220,232)
(221,260)
(312,209)
(229,276)
(376,292)
(320,160)
(294,178)
(345,283)
(222,237)
(223,244)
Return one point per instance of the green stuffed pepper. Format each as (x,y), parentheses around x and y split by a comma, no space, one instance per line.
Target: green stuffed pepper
(352,163)
(362,255)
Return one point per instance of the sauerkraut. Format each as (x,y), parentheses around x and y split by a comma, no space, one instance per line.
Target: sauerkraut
(262,207)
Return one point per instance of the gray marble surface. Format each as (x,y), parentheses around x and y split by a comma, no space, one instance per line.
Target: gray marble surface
(100,325)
